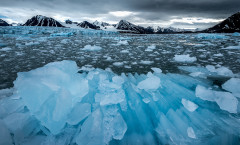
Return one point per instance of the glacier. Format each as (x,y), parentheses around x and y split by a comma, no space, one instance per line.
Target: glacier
(59,104)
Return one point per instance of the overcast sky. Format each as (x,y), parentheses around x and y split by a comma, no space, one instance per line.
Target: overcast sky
(164,13)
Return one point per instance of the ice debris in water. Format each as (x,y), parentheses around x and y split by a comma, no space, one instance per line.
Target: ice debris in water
(5,49)
(151,48)
(156,70)
(55,104)
(92,48)
(233,47)
(208,71)
(220,71)
(233,85)
(210,36)
(122,42)
(184,58)
(225,100)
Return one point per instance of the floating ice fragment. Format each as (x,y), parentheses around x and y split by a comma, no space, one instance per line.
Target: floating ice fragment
(233,85)
(210,36)
(197,74)
(5,49)
(218,55)
(156,70)
(146,62)
(150,83)
(191,133)
(151,48)
(31,43)
(118,63)
(220,71)
(184,58)
(124,51)
(122,42)
(92,48)
(232,47)
(225,100)
(58,88)
(64,41)
(189,105)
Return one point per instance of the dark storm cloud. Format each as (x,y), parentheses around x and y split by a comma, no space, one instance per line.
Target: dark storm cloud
(144,10)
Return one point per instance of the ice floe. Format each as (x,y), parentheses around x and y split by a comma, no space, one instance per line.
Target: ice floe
(92,48)
(225,100)
(233,85)
(184,58)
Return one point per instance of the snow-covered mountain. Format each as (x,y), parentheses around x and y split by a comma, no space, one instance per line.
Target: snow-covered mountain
(42,21)
(101,24)
(231,24)
(68,21)
(70,24)
(130,28)
(3,23)
(169,30)
(86,24)
(105,26)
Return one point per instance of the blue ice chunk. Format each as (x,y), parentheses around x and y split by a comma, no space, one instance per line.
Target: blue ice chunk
(59,87)
(233,85)
(78,113)
(92,130)
(236,34)
(225,100)
(61,106)
(5,136)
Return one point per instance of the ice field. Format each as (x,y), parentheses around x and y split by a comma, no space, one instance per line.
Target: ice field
(75,86)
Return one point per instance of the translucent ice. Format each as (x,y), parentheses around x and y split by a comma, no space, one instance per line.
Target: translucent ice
(225,100)
(191,133)
(5,136)
(150,83)
(220,71)
(59,87)
(190,106)
(233,85)
(60,105)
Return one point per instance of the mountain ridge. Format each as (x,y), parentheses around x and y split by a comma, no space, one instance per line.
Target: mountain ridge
(40,20)
(229,25)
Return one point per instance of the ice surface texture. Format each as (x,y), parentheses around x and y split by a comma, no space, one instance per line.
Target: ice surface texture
(55,104)
(54,32)
(210,36)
